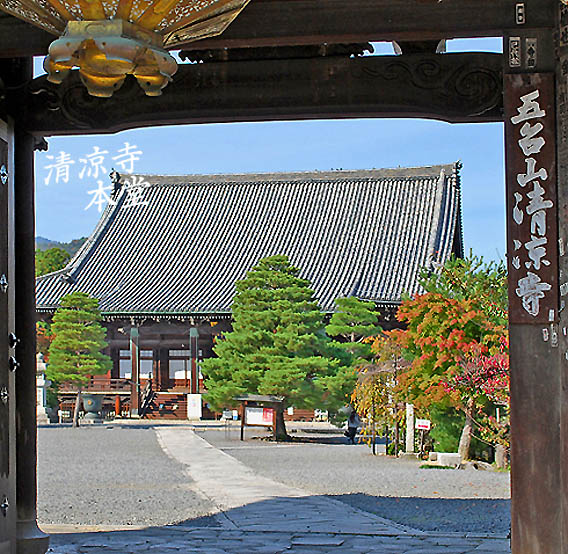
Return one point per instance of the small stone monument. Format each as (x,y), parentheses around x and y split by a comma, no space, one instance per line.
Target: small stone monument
(41,384)
(409,443)
(409,429)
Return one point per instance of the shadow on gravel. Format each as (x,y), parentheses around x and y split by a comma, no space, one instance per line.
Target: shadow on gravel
(274,524)
(111,425)
(333,439)
(318,439)
(479,515)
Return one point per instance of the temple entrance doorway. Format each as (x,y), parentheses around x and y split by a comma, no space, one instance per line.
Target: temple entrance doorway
(332,145)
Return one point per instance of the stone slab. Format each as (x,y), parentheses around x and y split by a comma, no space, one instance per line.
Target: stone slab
(449,459)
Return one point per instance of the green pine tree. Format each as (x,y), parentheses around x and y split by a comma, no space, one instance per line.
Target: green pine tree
(50,260)
(75,353)
(277,345)
(353,321)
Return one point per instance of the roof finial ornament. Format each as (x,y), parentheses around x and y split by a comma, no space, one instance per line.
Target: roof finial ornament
(115,180)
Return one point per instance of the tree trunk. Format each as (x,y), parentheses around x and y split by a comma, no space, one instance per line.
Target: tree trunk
(374,424)
(396,435)
(280,433)
(465,439)
(76,411)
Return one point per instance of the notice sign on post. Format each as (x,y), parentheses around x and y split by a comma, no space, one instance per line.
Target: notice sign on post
(259,416)
(423,424)
(532,233)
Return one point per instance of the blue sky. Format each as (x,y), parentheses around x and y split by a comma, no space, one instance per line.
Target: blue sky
(290,146)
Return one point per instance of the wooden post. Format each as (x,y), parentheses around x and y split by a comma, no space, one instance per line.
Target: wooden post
(164,369)
(117,406)
(135,375)
(396,431)
(7,326)
(536,245)
(562,173)
(374,430)
(274,415)
(155,366)
(29,538)
(193,349)
(115,357)
(243,417)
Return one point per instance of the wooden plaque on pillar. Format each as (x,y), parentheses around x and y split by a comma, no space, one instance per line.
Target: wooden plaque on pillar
(532,227)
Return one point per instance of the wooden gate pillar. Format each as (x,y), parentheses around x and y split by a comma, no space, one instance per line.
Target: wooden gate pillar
(29,538)
(537,238)
(561,71)
(8,508)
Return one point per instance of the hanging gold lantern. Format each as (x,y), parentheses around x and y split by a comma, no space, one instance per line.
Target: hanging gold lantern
(110,39)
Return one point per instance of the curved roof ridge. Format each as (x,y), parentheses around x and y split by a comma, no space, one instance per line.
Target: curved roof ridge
(110,211)
(53,273)
(395,173)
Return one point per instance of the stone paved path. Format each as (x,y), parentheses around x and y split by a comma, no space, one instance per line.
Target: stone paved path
(258,515)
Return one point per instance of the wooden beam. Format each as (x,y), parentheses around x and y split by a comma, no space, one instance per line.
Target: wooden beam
(287,22)
(450,87)
(292,22)
(20,39)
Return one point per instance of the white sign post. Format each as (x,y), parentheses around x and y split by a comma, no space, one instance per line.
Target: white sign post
(194,407)
(423,424)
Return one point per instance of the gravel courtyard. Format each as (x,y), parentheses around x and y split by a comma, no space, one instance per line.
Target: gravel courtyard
(112,475)
(119,475)
(427,499)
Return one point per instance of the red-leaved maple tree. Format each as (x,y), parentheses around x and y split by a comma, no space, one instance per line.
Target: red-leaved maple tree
(455,336)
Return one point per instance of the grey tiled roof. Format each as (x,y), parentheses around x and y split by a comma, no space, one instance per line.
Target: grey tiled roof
(361,233)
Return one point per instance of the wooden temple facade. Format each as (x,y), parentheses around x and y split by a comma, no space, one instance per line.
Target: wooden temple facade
(164,267)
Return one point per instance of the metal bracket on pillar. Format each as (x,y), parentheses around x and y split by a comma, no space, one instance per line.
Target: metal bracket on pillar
(520,17)
(4,506)
(13,364)
(3,284)
(13,340)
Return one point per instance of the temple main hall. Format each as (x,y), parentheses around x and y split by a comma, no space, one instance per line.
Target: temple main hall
(164,258)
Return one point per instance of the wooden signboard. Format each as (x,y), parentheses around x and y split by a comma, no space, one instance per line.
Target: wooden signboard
(259,416)
(532,234)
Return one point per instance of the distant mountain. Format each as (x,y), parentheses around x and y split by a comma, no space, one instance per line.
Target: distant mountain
(44,244)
